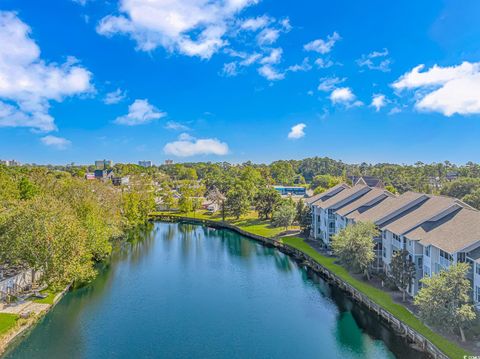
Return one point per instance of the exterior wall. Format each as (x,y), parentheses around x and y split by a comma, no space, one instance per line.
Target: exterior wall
(476,282)
(17,283)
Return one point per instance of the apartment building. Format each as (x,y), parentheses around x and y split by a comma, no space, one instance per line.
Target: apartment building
(436,230)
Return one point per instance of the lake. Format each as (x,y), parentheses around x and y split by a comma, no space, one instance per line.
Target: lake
(178,290)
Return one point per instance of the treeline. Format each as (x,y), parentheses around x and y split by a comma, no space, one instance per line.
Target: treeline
(61,225)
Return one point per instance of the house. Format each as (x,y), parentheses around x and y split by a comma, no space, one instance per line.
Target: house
(451,176)
(121,181)
(437,231)
(89,176)
(367,181)
(103,174)
(291,191)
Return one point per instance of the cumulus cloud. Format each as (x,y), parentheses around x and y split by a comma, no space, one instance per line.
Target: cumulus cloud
(327,84)
(323,46)
(114,97)
(304,66)
(378,101)
(255,23)
(268,36)
(270,73)
(187,146)
(140,112)
(191,27)
(59,143)
(176,126)
(324,63)
(344,96)
(297,131)
(28,83)
(449,90)
(376,60)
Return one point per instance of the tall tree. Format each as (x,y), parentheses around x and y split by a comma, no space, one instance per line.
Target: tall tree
(238,201)
(444,299)
(304,217)
(284,214)
(265,202)
(402,270)
(355,247)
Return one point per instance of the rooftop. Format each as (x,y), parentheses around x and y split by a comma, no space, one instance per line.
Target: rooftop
(375,195)
(354,192)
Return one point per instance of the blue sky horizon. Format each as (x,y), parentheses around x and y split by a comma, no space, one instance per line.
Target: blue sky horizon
(239,80)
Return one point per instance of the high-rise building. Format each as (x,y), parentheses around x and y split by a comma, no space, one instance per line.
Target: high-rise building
(9,163)
(145,163)
(169,162)
(103,164)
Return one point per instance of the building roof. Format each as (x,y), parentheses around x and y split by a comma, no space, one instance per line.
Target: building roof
(451,233)
(354,192)
(375,194)
(367,180)
(419,213)
(385,208)
(327,194)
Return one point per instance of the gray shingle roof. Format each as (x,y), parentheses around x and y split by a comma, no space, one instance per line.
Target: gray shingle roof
(375,193)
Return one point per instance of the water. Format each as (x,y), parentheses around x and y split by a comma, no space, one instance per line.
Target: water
(187,291)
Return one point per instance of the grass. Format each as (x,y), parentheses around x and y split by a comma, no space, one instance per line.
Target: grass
(380,297)
(49,299)
(7,322)
(249,223)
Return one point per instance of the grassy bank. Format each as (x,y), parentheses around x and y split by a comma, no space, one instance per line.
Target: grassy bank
(7,322)
(264,228)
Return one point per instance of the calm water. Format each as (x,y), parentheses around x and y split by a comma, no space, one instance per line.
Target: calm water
(186,291)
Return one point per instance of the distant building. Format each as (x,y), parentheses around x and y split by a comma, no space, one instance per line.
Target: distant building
(89,176)
(103,174)
(145,163)
(9,163)
(103,164)
(451,176)
(294,191)
(169,162)
(120,181)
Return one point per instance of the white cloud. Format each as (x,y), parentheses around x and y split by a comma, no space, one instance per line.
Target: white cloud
(256,23)
(114,97)
(176,126)
(378,101)
(187,146)
(230,69)
(297,131)
(448,90)
(268,36)
(274,57)
(28,83)
(323,63)
(140,112)
(191,27)
(376,60)
(327,84)
(323,46)
(344,96)
(304,66)
(270,73)
(59,143)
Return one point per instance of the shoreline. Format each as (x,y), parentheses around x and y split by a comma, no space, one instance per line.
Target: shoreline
(22,329)
(412,336)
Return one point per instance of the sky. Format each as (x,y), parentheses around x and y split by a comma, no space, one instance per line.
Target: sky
(237,80)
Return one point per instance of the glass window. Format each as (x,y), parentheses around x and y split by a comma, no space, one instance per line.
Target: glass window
(477,268)
(427,251)
(477,293)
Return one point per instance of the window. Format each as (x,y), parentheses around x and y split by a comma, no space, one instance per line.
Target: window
(461,257)
(384,252)
(446,255)
(420,262)
(384,235)
(477,268)
(477,293)
(427,251)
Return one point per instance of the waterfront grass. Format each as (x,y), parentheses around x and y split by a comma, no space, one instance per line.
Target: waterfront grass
(380,297)
(49,299)
(7,322)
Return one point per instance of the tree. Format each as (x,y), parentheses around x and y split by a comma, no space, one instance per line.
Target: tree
(324,182)
(284,214)
(402,270)
(238,201)
(355,247)
(282,172)
(304,217)
(265,202)
(473,199)
(391,189)
(27,189)
(444,299)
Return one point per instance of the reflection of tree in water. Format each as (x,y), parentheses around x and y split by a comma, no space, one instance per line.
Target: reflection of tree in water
(140,242)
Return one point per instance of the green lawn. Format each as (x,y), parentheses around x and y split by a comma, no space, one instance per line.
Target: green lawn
(7,322)
(380,297)
(47,300)
(249,223)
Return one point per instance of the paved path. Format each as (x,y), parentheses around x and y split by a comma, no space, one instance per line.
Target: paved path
(23,308)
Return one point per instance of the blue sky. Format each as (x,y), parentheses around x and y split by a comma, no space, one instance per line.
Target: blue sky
(238,80)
